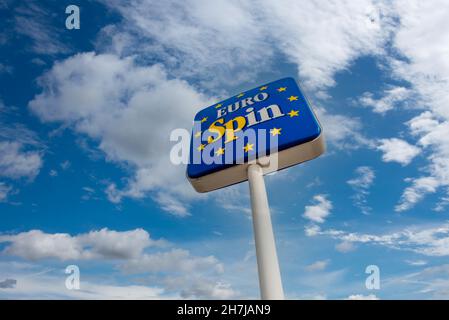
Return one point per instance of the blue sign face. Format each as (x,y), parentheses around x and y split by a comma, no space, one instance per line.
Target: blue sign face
(258,122)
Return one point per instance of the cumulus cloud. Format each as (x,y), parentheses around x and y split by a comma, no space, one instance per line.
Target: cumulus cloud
(319,211)
(15,162)
(132,252)
(96,94)
(101,244)
(106,244)
(130,111)
(361,184)
(21,153)
(198,45)
(397,150)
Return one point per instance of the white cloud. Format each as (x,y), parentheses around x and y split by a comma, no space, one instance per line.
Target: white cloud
(326,39)
(364,179)
(361,184)
(192,38)
(397,150)
(427,283)
(32,21)
(345,247)
(345,136)
(416,263)
(171,204)
(130,110)
(416,192)
(17,132)
(320,210)
(176,260)
(425,68)
(442,204)
(17,163)
(96,94)
(420,38)
(110,245)
(391,97)
(197,46)
(21,152)
(174,273)
(101,244)
(51,286)
(200,289)
(318,265)
(425,240)
(312,230)
(235,199)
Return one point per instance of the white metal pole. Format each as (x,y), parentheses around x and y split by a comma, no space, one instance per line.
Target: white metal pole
(267,262)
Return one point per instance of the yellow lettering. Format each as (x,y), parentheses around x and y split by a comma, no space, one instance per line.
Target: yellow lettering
(231,128)
(216,130)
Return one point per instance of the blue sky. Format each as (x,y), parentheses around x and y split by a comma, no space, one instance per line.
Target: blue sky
(85,174)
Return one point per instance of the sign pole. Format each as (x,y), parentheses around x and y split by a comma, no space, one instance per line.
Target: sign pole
(267,262)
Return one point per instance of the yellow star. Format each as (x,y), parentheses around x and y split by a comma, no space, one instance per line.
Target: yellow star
(281,89)
(220,151)
(293,113)
(248,147)
(275,131)
(240,95)
(263,88)
(201,147)
(218,106)
(198,134)
(204,119)
(293,98)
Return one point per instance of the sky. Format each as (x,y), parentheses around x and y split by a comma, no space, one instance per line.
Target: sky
(86,177)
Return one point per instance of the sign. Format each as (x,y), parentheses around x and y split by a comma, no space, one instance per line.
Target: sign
(273,124)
